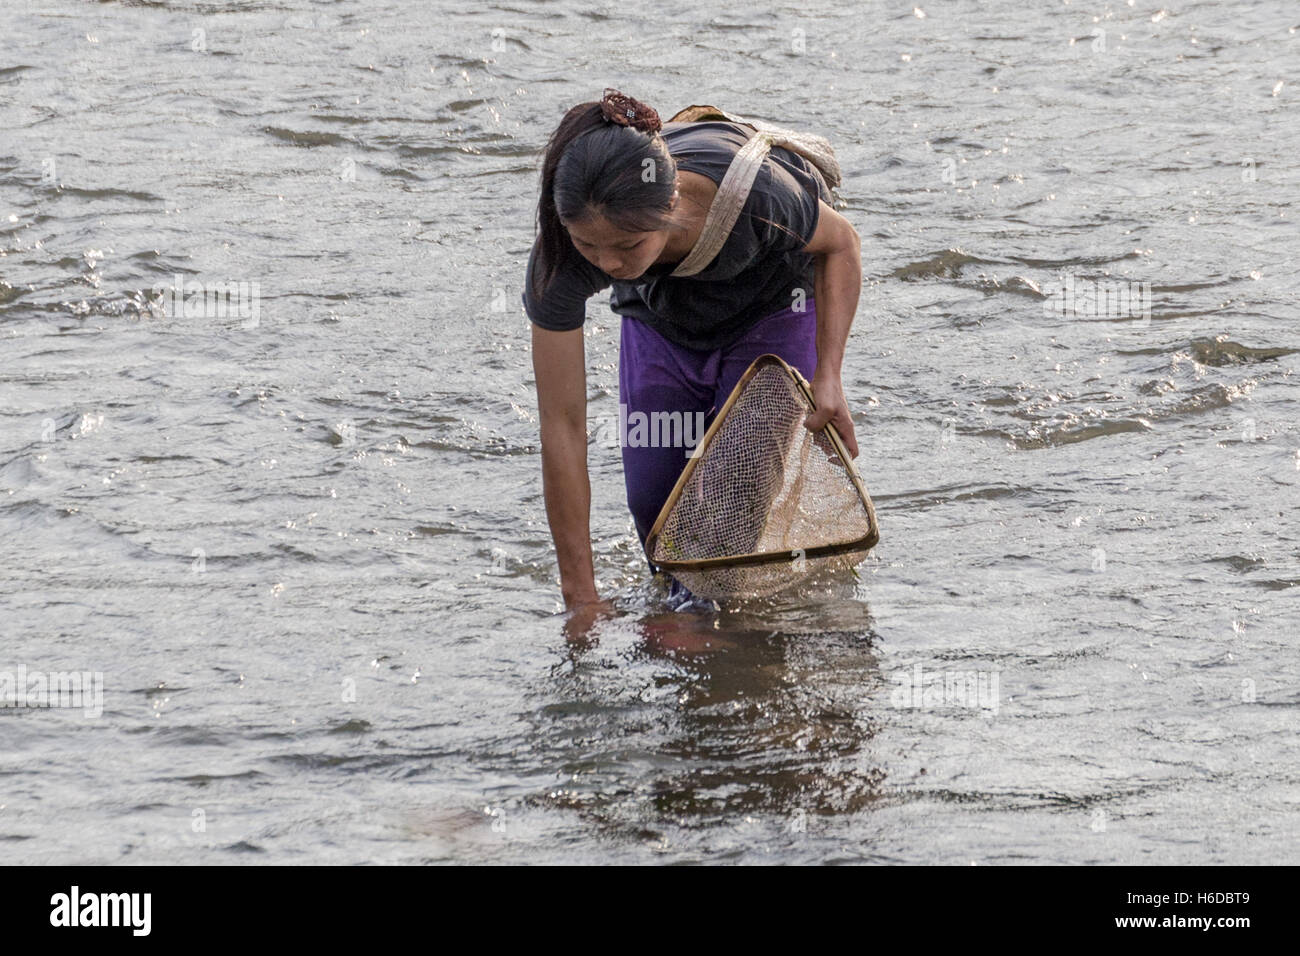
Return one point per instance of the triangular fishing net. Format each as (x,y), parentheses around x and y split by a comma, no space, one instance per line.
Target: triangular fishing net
(763,503)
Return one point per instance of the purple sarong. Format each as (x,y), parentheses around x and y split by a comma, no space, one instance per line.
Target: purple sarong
(686,387)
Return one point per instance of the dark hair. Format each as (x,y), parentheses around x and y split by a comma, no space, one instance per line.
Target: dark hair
(594,166)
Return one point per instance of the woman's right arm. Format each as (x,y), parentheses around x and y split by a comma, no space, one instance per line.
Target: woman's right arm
(559,366)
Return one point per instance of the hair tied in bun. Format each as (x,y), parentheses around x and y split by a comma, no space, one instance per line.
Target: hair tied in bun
(625,111)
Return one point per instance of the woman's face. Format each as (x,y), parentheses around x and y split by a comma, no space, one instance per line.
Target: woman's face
(620,255)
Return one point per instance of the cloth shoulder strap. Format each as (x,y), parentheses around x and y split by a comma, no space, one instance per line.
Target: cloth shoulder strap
(739,179)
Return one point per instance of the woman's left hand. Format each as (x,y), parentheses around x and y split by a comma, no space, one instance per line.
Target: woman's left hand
(828,394)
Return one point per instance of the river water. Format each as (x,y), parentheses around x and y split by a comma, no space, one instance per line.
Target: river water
(304,545)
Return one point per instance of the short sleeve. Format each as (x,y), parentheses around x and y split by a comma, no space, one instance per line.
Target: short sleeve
(783,207)
(780,215)
(563,307)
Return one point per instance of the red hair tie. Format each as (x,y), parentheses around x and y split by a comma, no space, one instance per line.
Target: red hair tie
(626,111)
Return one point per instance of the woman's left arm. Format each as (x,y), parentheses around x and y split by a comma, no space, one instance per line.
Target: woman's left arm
(837,250)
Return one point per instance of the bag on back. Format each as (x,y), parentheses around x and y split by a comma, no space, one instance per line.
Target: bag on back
(740,175)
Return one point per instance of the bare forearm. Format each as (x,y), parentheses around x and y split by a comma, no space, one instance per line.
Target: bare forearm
(567,490)
(560,368)
(839,283)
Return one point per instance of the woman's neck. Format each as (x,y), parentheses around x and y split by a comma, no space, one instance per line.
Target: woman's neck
(696,194)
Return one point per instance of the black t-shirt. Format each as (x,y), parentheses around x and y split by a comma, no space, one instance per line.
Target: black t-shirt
(754,275)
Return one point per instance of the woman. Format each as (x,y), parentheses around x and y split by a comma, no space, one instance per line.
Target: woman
(623,201)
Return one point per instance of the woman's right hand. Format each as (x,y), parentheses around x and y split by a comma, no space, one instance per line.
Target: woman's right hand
(560,370)
(583,616)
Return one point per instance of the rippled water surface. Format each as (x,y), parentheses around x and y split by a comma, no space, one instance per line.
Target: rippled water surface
(308,552)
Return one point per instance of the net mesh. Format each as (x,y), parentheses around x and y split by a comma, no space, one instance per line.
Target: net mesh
(761,484)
